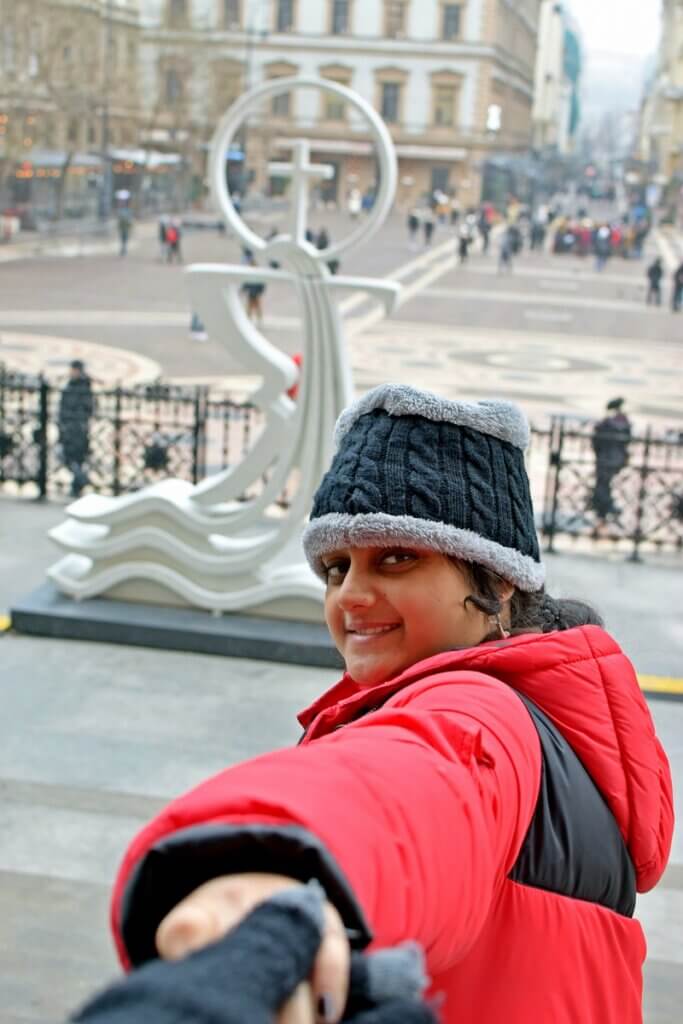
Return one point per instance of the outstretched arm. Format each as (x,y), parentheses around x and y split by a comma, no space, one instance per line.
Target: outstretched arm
(410,819)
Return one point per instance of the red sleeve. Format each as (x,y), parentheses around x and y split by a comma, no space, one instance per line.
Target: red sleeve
(422,805)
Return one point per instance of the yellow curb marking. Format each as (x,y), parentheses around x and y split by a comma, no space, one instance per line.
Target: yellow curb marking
(660,684)
(5,623)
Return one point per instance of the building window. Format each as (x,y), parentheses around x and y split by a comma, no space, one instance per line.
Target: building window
(231,13)
(445,98)
(92,133)
(335,108)
(177,13)
(396,18)
(9,47)
(340,17)
(441,179)
(285,15)
(72,130)
(452,20)
(391,101)
(173,87)
(281,105)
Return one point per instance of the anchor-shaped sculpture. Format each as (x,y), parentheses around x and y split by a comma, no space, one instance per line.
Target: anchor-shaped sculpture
(203,544)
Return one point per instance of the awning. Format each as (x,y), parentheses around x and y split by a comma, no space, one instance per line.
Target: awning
(56,158)
(146,158)
(350,147)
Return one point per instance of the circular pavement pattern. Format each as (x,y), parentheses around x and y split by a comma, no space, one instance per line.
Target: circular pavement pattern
(40,353)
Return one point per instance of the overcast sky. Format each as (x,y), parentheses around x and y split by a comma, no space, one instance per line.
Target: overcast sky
(613,26)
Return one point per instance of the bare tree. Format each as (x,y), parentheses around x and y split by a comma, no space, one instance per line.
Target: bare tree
(62,61)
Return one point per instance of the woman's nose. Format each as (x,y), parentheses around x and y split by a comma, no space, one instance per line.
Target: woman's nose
(356,591)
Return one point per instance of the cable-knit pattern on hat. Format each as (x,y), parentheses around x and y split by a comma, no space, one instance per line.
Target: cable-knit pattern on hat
(424,478)
(520,497)
(479,473)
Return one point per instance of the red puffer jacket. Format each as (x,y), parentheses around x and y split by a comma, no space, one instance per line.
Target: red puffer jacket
(457,814)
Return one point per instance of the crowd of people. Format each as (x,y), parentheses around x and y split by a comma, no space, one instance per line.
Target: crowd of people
(584,235)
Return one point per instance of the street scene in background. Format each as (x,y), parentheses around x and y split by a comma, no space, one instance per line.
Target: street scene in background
(201,269)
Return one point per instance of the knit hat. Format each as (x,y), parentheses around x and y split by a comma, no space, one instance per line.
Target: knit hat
(413,468)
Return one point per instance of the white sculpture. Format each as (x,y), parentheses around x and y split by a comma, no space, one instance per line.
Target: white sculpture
(201,545)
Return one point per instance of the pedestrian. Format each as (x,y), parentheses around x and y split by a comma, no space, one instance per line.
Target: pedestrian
(485,779)
(655,273)
(505,254)
(163,224)
(263,967)
(198,331)
(677,290)
(355,202)
(428,225)
(603,247)
(124,226)
(610,441)
(464,240)
(254,291)
(173,234)
(455,211)
(413,227)
(484,231)
(76,408)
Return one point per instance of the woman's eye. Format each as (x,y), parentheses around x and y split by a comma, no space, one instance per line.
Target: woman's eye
(335,571)
(398,557)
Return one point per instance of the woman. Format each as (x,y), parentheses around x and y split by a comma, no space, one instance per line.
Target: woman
(485,779)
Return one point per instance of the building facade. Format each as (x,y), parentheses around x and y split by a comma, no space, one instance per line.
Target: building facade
(557,81)
(453,81)
(661,131)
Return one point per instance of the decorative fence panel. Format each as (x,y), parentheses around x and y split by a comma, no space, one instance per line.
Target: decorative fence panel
(139,435)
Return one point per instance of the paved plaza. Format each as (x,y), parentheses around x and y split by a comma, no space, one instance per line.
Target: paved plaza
(95,738)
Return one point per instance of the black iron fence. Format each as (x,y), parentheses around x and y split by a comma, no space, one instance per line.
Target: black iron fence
(608,487)
(133,436)
(138,435)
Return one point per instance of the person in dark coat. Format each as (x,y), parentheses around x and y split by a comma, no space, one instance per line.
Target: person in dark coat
(611,437)
(76,407)
(655,272)
(254,292)
(677,293)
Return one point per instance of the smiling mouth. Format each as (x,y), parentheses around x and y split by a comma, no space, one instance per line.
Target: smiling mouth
(371,632)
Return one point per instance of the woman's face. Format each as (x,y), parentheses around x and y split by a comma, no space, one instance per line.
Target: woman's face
(388,608)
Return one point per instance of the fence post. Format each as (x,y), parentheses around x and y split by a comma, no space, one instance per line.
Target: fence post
(116,482)
(43,415)
(642,491)
(554,470)
(199,436)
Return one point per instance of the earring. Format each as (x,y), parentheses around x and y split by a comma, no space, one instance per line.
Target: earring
(502,632)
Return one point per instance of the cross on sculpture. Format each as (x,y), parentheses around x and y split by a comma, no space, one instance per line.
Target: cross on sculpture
(301,171)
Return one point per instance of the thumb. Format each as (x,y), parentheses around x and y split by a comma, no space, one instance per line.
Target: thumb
(188,928)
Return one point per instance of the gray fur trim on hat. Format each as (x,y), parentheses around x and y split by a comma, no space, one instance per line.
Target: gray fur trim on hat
(503,420)
(377,529)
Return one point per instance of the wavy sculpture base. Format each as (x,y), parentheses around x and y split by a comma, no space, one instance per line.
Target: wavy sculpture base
(153,550)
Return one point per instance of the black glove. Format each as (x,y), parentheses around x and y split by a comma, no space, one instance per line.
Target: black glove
(247,976)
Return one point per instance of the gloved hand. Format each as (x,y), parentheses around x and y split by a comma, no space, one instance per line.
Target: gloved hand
(248,975)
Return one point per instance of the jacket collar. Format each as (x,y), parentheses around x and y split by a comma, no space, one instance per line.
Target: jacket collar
(347,699)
